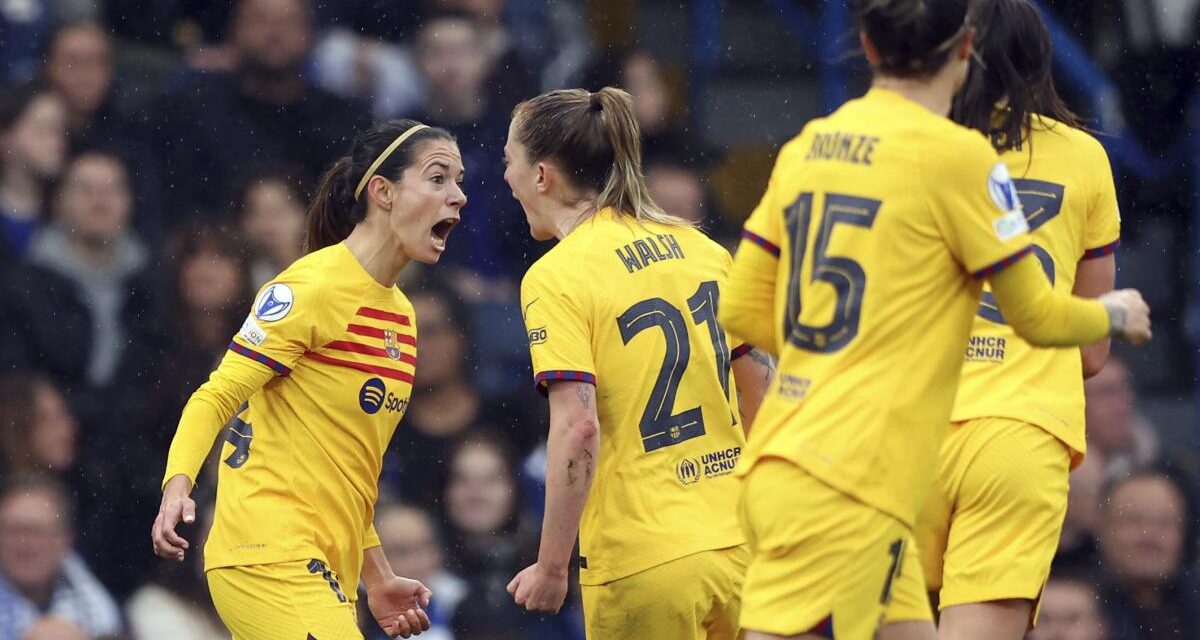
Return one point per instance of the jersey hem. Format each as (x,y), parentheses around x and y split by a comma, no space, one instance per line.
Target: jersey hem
(1076,447)
(647,561)
(834,482)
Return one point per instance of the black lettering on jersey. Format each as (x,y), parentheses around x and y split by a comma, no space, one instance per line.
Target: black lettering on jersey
(643,252)
(627,257)
(851,148)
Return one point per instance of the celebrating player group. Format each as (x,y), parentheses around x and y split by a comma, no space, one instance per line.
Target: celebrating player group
(906,325)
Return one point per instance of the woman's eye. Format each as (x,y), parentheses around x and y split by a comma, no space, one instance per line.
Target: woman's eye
(439,179)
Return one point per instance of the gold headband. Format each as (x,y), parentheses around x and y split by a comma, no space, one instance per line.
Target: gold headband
(384,156)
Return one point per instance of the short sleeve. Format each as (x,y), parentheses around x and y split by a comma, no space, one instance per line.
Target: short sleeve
(976,207)
(283,323)
(1103,234)
(558,327)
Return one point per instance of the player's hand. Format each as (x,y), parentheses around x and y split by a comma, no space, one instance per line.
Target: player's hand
(176,507)
(539,589)
(1129,315)
(398,605)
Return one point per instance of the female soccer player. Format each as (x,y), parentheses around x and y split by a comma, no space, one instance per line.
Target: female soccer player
(868,251)
(1018,425)
(644,419)
(325,361)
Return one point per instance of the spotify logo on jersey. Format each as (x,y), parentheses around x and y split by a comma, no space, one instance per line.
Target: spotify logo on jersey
(370,397)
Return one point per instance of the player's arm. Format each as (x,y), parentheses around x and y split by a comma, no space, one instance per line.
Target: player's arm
(283,323)
(747,309)
(572,453)
(208,410)
(1095,277)
(748,301)
(1046,318)
(752,372)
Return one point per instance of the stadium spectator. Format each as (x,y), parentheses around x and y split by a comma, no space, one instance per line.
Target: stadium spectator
(364,53)
(97,263)
(445,404)
(24,27)
(641,74)
(509,78)
(492,247)
(40,575)
(270,207)
(54,629)
(1077,545)
(1117,435)
(1070,609)
(410,543)
(218,126)
(1146,548)
(33,146)
(79,67)
(488,540)
(37,431)
(176,604)
(678,186)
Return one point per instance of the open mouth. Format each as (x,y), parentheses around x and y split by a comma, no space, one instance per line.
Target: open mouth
(441,231)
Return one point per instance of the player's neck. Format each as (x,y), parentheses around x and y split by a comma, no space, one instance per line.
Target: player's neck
(935,94)
(569,217)
(378,252)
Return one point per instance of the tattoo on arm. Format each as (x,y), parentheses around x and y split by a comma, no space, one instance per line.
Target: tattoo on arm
(766,361)
(585,396)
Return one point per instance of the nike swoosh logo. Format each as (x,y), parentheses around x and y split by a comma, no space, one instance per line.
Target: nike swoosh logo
(525,311)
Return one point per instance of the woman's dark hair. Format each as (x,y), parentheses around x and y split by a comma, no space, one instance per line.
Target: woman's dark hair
(914,38)
(201,238)
(440,289)
(15,101)
(269,174)
(1016,51)
(335,211)
(18,412)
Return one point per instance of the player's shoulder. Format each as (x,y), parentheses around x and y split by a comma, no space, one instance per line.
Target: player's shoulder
(314,268)
(553,266)
(1085,147)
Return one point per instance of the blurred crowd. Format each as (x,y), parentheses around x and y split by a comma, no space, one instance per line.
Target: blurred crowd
(156,160)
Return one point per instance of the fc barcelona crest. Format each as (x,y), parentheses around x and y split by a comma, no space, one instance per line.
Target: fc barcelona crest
(390,345)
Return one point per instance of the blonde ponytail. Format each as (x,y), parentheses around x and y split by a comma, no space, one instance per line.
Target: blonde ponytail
(595,137)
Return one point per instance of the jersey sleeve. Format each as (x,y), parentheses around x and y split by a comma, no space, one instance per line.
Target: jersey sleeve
(1103,234)
(749,294)
(284,323)
(558,326)
(976,208)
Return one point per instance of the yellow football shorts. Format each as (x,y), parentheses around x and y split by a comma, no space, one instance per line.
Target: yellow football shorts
(288,600)
(696,597)
(991,524)
(821,563)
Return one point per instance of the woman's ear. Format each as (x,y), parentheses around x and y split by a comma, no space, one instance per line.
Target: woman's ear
(545,178)
(868,48)
(382,191)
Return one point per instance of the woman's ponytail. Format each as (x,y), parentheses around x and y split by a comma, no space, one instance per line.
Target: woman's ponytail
(597,140)
(332,215)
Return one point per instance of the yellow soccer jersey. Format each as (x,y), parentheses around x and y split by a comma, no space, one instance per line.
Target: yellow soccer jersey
(1066,186)
(632,308)
(299,468)
(885,217)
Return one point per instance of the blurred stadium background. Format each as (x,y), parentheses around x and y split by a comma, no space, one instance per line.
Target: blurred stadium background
(157,157)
